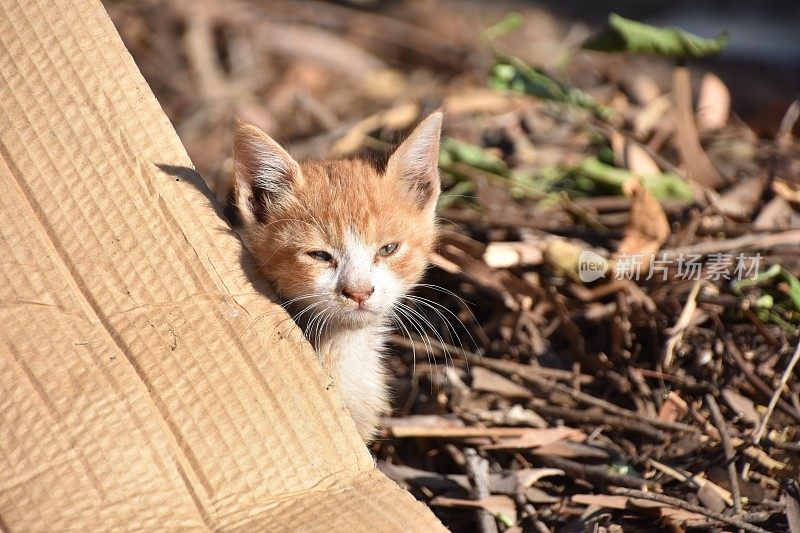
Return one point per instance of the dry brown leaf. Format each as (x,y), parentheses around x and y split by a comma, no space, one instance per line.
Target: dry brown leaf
(681,517)
(778,213)
(639,161)
(444,264)
(479,101)
(463,242)
(741,200)
(744,407)
(487,381)
(652,117)
(607,501)
(643,88)
(647,229)
(787,191)
(713,104)
(688,317)
(496,505)
(710,497)
(536,438)
(790,499)
(428,421)
(694,479)
(621,503)
(533,372)
(514,416)
(631,155)
(386,83)
(397,117)
(538,496)
(673,408)
(528,476)
(402,431)
(698,166)
(570,450)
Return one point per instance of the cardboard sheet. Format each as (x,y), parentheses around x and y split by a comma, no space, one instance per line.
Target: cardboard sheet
(145,381)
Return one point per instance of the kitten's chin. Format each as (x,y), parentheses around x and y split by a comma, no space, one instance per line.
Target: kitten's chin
(359,318)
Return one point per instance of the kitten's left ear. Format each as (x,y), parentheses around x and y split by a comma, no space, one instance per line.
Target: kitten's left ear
(415,163)
(264,173)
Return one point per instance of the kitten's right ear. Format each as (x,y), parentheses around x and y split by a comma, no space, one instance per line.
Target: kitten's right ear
(264,172)
(415,163)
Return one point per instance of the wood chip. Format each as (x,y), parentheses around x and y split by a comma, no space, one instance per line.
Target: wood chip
(485,380)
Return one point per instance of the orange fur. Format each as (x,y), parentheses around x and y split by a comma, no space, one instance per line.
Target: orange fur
(347,209)
(337,195)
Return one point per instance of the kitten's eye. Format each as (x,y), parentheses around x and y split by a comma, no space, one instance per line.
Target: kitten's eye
(321,255)
(388,250)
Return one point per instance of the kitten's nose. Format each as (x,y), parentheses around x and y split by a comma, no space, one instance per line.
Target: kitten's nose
(359,296)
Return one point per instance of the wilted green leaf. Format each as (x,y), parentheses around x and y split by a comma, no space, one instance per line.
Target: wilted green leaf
(776,271)
(766,301)
(512,74)
(663,185)
(464,161)
(504,519)
(625,35)
(453,150)
(794,289)
(510,22)
(461,190)
(767,275)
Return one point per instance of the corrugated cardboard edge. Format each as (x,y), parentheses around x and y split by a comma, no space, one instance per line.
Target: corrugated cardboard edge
(144,382)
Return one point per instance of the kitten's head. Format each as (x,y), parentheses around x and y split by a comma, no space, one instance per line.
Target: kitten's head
(338,238)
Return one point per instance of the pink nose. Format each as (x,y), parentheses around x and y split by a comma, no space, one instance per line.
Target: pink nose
(358,296)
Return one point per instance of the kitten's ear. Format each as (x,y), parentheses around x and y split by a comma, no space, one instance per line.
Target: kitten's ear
(264,172)
(415,163)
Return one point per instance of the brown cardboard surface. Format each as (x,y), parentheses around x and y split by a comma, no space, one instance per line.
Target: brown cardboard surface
(144,381)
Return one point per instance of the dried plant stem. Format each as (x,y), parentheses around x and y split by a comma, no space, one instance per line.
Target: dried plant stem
(777,394)
(681,504)
(757,382)
(730,454)
(478,471)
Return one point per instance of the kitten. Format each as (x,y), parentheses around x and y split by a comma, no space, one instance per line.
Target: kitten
(341,242)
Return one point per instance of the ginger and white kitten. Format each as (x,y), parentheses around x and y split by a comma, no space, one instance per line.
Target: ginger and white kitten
(341,242)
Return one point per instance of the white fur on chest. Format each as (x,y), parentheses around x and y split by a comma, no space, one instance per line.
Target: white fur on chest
(355,361)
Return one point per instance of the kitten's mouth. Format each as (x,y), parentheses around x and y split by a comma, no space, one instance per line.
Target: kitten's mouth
(362,311)
(358,309)
(360,315)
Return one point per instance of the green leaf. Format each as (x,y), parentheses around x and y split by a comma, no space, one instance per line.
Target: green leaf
(510,22)
(504,519)
(765,301)
(767,275)
(775,271)
(794,288)
(662,185)
(453,150)
(625,35)
(512,74)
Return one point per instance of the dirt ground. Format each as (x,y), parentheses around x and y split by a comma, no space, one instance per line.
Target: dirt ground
(607,337)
